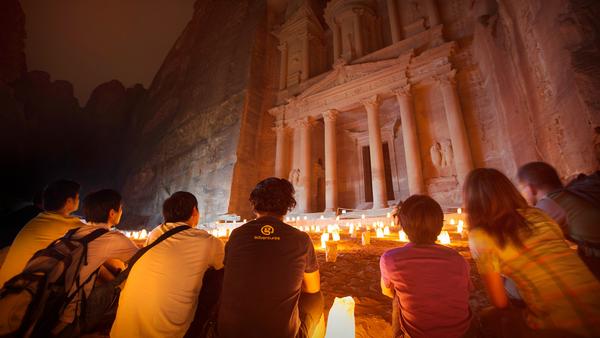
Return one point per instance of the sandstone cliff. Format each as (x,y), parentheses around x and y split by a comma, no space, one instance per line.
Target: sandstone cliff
(197,130)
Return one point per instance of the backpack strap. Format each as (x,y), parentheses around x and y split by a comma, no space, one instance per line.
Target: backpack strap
(123,275)
(92,235)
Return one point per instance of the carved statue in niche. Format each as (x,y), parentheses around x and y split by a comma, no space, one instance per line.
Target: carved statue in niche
(294,177)
(435,151)
(447,153)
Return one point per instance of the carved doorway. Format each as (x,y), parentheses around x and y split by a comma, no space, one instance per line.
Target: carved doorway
(367,179)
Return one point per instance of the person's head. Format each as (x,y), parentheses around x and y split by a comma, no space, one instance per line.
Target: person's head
(492,203)
(273,196)
(103,206)
(182,206)
(61,196)
(536,179)
(421,218)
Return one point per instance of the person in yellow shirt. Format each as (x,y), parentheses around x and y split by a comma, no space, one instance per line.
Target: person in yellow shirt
(61,198)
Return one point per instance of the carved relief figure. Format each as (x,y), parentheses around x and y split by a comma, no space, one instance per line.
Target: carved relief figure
(447,153)
(294,177)
(436,154)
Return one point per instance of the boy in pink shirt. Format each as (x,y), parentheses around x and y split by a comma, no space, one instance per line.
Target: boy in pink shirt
(428,282)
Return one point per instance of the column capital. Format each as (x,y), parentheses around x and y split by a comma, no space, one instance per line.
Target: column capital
(358,11)
(283,46)
(330,115)
(304,123)
(280,126)
(403,91)
(371,102)
(446,79)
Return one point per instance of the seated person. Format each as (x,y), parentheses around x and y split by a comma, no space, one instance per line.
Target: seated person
(510,239)
(580,220)
(268,266)
(102,210)
(428,282)
(60,199)
(161,293)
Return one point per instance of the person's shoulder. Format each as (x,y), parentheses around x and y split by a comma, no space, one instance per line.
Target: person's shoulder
(396,252)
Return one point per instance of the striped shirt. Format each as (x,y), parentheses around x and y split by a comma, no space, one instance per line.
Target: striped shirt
(560,292)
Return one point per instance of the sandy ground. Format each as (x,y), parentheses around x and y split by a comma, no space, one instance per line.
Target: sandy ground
(356,274)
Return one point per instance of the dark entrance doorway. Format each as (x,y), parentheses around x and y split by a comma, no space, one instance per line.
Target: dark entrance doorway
(367,179)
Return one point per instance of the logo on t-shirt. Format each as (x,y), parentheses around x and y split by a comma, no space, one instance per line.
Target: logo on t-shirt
(267,231)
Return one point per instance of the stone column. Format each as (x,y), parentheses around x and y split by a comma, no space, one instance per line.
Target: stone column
(283,65)
(305,57)
(394,20)
(331,193)
(376,150)
(414,169)
(358,43)
(280,151)
(304,126)
(433,13)
(456,126)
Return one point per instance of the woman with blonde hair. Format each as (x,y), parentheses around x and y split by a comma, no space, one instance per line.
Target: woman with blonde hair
(511,240)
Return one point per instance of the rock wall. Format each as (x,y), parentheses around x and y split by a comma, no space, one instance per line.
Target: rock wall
(46,135)
(198,128)
(12,41)
(539,66)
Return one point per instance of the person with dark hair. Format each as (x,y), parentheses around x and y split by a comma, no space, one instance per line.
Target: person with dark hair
(410,275)
(161,294)
(508,238)
(579,218)
(271,286)
(60,199)
(106,254)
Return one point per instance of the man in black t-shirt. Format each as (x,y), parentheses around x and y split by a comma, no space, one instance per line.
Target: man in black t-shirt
(269,268)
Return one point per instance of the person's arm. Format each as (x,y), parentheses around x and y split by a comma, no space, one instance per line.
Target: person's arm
(385,290)
(495,289)
(311,283)
(483,250)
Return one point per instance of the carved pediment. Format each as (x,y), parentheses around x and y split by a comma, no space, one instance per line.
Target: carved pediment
(343,73)
(302,17)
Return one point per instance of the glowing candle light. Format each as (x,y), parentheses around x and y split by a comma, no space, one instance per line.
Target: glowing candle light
(143,234)
(305,218)
(388,215)
(245,220)
(366,238)
(452,221)
(392,224)
(402,236)
(362,216)
(136,235)
(335,236)
(322,217)
(459,211)
(337,218)
(444,237)
(344,211)
(459,227)
(379,233)
(317,229)
(287,219)
(324,239)
(351,229)
(386,231)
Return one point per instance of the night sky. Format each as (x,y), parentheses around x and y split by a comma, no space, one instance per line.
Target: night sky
(88,42)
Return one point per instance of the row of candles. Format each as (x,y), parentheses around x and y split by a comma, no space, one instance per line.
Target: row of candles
(329,231)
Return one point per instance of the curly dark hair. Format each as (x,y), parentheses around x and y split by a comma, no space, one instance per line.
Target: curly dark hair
(274,195)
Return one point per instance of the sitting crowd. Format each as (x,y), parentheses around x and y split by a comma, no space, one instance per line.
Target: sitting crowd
(264,282)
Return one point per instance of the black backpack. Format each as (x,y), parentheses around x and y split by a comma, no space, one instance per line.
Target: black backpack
(32,301)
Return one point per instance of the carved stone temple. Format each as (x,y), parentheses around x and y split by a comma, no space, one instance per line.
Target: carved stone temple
(360,103)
